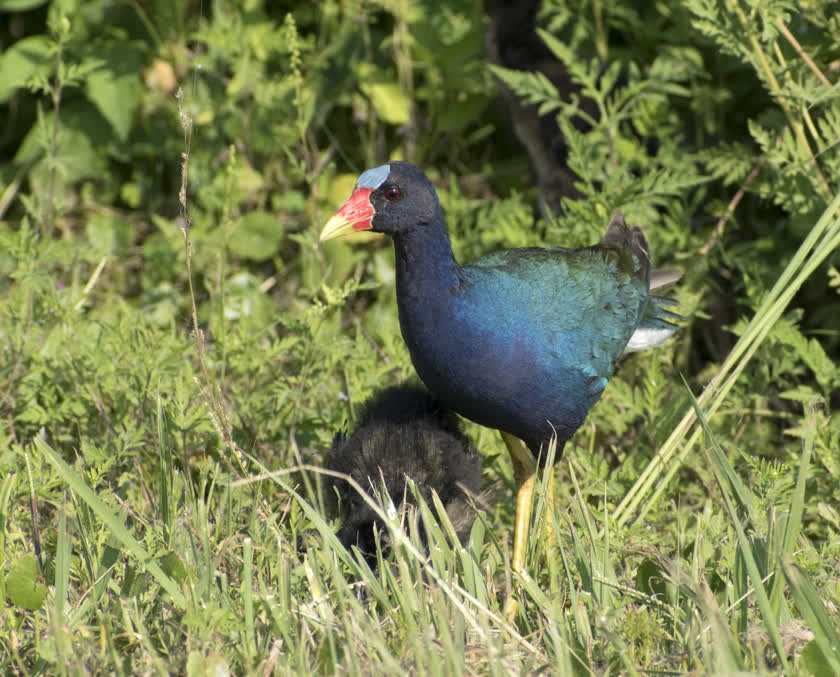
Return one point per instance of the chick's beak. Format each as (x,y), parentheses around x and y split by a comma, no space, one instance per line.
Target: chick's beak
(356,214)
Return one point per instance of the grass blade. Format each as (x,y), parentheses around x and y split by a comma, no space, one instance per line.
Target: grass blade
(114,524)
(165,471)
(808,601)
(793,521)
(63,550)
(723,469)
(248,598)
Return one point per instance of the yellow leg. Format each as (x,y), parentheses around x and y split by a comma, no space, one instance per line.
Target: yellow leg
(524,477)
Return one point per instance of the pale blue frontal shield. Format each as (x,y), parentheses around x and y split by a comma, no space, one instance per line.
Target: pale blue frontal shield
(373,178)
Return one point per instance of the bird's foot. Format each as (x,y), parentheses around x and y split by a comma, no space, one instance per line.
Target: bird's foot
(511,608)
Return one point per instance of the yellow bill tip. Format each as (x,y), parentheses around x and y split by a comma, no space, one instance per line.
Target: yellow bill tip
(356,214)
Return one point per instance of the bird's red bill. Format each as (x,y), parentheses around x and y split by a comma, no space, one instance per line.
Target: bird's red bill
(356,214)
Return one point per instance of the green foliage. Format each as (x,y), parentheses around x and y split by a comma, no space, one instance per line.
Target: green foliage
(154,514)
(22,584)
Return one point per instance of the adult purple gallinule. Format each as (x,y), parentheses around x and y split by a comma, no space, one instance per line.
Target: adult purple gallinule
(522,340)
(403,431)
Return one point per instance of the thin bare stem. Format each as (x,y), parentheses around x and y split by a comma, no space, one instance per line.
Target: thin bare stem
(55,92)
(218,414)
(730,208)
(802,53)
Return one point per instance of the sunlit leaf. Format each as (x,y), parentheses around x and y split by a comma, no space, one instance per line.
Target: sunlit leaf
(24,585)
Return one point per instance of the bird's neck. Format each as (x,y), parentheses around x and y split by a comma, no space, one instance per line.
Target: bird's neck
(425,264)
(429,286)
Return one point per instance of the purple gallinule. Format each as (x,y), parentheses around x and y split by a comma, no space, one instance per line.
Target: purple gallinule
(522,340)
(403,431)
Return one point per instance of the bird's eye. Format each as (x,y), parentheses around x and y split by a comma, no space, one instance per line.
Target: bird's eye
(393,194)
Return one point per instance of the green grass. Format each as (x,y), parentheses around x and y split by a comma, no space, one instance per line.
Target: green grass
(177,351)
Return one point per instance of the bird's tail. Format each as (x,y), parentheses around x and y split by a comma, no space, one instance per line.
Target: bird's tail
(656,326)
(662,277)
(631,239)
(657,322)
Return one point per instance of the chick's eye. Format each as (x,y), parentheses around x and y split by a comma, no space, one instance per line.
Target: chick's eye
(393,194)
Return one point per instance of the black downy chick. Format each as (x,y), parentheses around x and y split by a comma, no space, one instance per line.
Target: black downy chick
(403,431)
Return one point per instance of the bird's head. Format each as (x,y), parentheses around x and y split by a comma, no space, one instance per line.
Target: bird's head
(392,199)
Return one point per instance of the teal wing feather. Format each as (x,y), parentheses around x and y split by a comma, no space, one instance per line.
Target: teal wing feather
(581,305)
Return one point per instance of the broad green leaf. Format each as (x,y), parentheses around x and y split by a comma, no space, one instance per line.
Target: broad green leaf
(389,101)
(245,303)
(115,87)
(174,566)
(19,5)
(258,236)
(814,661)
(81,135)
(24,59)
(461,113)
(108,234)
(341,187)
(23,584)
(649,579)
